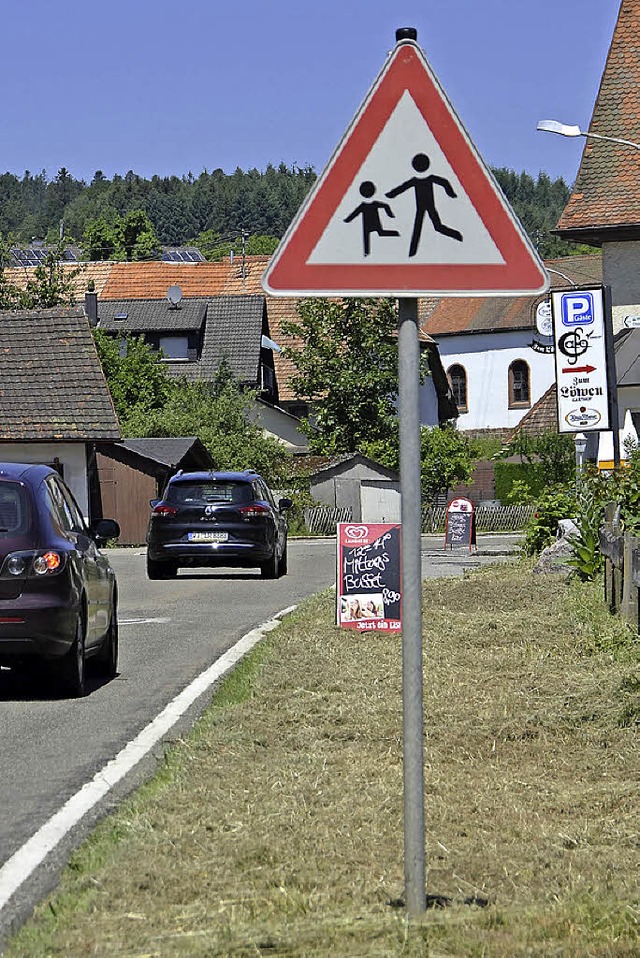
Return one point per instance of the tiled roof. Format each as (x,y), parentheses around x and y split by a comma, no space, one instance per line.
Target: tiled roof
(168,451)
(542,417)
(484,313)
(627,353)
(81,274)
(51,381)
(234,332)
(145,315)
(309,466)
(606,194)
(151,280)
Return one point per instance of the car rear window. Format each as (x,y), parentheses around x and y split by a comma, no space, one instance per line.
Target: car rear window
(14,509)
(184,493)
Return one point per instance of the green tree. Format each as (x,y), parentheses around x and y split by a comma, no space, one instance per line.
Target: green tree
(128,237)
(51,284)
(446,459)
(137,380)
(214,248)
(347,366)
(9,294)
(218,413)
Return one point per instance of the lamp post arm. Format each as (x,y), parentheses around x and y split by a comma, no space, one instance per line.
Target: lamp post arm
(612,139)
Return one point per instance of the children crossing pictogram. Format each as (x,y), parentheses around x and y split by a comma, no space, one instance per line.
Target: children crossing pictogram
(424,189)
(370,213)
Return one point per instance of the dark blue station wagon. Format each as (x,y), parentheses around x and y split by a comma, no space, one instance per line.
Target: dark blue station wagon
(217,519)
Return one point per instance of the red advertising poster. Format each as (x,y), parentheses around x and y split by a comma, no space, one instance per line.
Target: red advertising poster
(368,587)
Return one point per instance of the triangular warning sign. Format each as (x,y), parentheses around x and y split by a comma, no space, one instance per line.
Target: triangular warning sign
(405,206)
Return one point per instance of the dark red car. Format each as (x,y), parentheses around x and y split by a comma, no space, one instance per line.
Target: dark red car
(58,592)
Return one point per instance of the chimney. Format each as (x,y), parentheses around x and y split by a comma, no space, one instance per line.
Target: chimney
(91,307)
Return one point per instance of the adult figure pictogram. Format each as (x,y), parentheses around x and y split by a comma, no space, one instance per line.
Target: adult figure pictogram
(370,213)
(424,189)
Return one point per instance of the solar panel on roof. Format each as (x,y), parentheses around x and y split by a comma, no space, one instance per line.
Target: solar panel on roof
(37,256)
(187,254)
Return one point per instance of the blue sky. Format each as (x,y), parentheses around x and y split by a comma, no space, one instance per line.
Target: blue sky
(172,87)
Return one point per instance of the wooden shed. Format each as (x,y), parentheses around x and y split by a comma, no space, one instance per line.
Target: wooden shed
(134,471)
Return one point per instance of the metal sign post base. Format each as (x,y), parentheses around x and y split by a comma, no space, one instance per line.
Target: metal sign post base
(413,755)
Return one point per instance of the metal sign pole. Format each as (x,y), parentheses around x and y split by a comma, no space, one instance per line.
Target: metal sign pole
(612,374)
(413,754)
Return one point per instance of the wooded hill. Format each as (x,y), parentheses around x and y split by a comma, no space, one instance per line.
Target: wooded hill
(200,209)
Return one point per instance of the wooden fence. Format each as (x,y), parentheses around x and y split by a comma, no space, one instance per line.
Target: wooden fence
(488,518)
(621,567)
(322,520)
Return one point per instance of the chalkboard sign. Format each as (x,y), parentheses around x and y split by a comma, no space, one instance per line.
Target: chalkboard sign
(368,587)
(460,529)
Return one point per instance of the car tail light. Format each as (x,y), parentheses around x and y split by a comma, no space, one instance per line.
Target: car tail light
(164,510)
(32,563)
(48,562)
(253,510)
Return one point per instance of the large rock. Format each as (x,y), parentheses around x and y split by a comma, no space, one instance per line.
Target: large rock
(553,559)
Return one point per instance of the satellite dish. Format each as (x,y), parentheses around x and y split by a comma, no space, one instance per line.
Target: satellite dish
(174,295)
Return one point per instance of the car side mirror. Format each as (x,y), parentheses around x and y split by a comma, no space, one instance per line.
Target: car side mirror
(104,529)
(284,504)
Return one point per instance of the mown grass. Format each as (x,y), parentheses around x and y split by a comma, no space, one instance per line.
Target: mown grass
(275,827)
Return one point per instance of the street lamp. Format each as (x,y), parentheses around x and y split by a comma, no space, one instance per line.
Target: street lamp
(554,126)
(580,442)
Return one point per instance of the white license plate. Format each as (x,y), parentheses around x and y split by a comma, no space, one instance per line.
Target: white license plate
(208,536)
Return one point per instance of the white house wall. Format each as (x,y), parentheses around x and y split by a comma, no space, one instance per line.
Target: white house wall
(620,272)
(72,457)
(486,358)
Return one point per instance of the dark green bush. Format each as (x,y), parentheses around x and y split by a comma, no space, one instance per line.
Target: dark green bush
(558,503)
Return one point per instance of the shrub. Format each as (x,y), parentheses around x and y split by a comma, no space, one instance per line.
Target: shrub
(540,532)
(587,560)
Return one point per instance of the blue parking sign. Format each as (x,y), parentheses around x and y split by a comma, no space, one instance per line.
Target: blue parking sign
(577,309)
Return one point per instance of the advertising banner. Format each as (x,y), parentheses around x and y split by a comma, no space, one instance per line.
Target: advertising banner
(368,586)
(580,334)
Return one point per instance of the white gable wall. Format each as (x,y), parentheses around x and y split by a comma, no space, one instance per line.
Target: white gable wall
(486,357)
(72,456)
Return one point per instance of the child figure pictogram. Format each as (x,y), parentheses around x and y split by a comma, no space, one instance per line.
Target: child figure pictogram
(423,187)
(370,213)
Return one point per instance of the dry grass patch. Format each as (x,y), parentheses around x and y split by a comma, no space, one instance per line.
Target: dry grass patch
(276,827)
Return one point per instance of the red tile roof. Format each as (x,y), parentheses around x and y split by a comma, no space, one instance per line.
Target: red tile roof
(606,194)
(542,417)
(483,314)
(79,274)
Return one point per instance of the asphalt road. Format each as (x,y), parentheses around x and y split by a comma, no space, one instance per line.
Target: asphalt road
(170,631)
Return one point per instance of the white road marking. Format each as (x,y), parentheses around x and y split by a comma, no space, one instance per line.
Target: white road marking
(142,621)
(24,862)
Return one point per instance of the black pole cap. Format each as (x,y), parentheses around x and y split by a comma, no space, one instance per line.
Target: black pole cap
(406,33)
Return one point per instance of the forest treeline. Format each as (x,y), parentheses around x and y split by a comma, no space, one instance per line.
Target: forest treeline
(202,210)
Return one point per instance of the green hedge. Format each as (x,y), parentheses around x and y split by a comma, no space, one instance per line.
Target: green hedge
(506,473)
